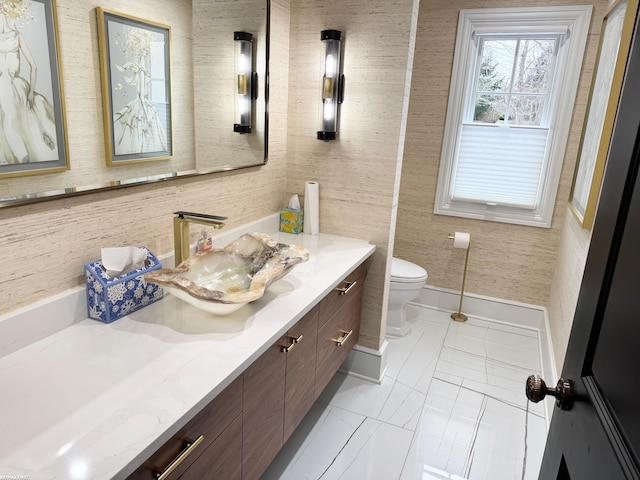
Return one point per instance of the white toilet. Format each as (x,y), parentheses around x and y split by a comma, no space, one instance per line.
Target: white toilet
(407,279)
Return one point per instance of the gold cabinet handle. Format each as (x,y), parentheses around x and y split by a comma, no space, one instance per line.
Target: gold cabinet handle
(189,447)
(345,335)
(345,290)
(293,341)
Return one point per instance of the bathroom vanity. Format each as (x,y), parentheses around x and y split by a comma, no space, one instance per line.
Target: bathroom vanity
(170,387)
(239,433)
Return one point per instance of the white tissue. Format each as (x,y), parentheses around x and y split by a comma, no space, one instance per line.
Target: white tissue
(294,202)
(119,260)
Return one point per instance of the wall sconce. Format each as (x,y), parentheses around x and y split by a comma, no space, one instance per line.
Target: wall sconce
(247,88)
(332,84)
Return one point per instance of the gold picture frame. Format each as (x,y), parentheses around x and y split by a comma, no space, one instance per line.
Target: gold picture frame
(135,67)
(33,134)
(606,85)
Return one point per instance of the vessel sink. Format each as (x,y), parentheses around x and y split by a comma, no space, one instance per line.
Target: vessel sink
(222,280)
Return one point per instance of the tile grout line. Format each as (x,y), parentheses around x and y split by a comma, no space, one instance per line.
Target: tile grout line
(457,394)
(377,418)
(509,404)
(387,399)
(404,363)
(476,429)
(342,448)
(492,326)
(489,359)
(322,420)
(526,434)
(361,447)
(413,438)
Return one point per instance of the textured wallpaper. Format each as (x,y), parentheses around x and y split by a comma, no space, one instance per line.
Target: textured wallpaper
(358,173)
(506,261)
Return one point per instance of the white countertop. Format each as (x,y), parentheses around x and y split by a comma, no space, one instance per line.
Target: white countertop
(93,400)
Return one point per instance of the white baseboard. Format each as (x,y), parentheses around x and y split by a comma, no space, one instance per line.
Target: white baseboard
(366,363)
(504,311)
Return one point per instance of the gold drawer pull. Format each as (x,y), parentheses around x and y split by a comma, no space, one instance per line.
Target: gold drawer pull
(345,290)
(189,447)
(293,341)
(345,335)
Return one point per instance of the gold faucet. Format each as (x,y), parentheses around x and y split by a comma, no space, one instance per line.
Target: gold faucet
(181,231)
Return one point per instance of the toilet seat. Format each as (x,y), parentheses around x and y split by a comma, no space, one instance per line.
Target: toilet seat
(403,271)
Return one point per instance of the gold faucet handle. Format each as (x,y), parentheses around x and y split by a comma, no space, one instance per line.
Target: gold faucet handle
(206,216)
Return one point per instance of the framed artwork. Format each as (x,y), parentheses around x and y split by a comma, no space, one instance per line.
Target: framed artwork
(615,42)
(33,133)
(135,65)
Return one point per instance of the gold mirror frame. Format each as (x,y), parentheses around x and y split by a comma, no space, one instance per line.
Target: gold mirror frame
(601,111)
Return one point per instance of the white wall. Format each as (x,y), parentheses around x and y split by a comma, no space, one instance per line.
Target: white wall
(566,282)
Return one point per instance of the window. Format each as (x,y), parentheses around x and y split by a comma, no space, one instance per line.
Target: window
(512,91)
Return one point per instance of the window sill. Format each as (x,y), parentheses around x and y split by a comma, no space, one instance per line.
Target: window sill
(529,218)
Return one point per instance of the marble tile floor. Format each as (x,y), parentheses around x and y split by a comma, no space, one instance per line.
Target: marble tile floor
(451,406)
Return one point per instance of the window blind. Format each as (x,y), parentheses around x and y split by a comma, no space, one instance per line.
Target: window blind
(499,164)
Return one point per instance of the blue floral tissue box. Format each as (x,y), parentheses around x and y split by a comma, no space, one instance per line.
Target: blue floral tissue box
(111,298)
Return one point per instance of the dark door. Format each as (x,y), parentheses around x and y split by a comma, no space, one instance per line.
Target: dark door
(599,437)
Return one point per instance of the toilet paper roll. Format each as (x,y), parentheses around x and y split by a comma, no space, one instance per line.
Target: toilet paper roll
(461,240)
(311,224)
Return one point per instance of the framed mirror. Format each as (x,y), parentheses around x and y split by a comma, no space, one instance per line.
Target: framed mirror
(204,89)
(615,41)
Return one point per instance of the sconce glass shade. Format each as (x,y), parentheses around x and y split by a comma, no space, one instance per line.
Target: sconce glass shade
(246,79)
(332,84)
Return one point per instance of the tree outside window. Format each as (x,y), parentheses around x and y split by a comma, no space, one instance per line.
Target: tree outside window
(514,77)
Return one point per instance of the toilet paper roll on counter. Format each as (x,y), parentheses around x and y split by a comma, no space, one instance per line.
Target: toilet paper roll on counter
(311,208)
(461,240)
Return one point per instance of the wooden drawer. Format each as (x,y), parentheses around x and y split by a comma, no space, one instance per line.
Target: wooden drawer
(301,371)
(341,294)
(333,347)
(222,460)
(210,423)
(263,411)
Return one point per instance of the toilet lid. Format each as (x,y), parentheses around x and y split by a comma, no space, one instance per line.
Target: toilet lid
(403,271)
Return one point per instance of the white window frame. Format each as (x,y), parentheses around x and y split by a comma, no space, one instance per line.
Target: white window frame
(573,22)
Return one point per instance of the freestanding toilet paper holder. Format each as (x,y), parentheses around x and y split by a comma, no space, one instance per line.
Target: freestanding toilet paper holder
(459,316)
